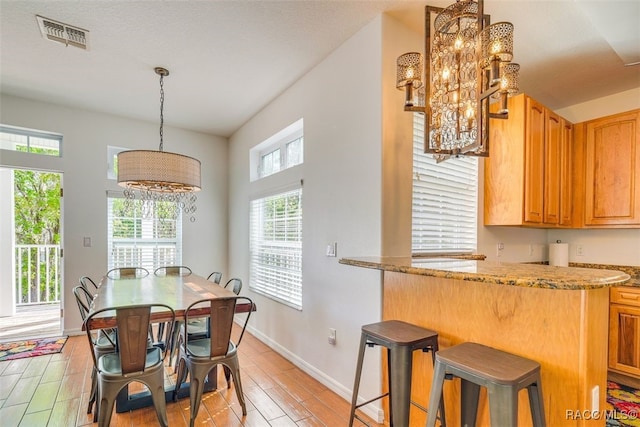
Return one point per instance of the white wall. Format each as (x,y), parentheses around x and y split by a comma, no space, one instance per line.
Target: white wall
(86,136)
(340,102)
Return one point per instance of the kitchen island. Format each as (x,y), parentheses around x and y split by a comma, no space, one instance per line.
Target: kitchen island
(557,316)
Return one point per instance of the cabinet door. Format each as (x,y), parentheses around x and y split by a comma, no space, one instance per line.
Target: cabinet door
(624,339)
(566,166)
(534,162)
(552,168)
(612,170)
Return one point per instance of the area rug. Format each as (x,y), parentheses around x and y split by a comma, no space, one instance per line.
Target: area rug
(30,348)
(623,406)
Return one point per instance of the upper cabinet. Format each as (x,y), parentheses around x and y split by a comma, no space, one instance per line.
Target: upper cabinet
(608,174)
(528,171)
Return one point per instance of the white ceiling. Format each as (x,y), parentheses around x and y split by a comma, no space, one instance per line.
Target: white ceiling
(229,59)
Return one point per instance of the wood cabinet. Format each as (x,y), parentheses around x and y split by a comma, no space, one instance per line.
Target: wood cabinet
(624,331)
(528,171)
(608,176)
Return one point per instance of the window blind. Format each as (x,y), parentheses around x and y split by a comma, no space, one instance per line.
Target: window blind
(445,202)
(142,234)
(275,246)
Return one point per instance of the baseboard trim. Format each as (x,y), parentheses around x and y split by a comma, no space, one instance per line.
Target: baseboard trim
(373,411)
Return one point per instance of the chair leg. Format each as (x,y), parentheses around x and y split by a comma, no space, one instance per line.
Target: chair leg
(94,390)
(234,368)
(356,384)
(536,404)
(470,395)
(196,387)
(173,343)
(106,400)
(181,375)
(435,396)
(503,405)
(159,402)
(227,375)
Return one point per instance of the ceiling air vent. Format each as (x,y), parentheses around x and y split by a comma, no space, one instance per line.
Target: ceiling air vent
(63,33)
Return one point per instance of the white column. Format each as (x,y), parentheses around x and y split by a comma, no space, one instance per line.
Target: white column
(7,244)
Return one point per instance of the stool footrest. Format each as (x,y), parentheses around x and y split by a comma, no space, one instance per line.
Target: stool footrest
(372,400)
(357,417)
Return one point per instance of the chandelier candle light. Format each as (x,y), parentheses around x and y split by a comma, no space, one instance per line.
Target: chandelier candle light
(160,176)
(469,64)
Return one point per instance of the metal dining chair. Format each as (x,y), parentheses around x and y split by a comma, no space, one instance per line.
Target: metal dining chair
(215,277)
(199,356)
(127,273)
(198,328)
(103,341)
(234,285)
(134,360)
(173,270)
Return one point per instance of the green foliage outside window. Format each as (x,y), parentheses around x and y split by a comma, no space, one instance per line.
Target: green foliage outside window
(37,222)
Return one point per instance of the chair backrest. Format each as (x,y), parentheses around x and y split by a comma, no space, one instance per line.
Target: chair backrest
(220,313)
(132,333)
(234,285)
(88,293)
(173,270)
(85,281)
(83,299)
(215,277)
(127,273)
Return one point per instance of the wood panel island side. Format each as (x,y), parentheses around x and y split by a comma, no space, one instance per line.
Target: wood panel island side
(557,316)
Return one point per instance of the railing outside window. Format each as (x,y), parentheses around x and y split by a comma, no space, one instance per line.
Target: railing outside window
(37,274)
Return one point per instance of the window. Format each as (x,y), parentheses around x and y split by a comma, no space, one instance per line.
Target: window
(30,141)
(445,205)
(281,151)
(143,234)
(112,161)
(275,247)
(270,163)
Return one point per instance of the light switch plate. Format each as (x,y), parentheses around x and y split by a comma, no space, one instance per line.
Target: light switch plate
(332,249)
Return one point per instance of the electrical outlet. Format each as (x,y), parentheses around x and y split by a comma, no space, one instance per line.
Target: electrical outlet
(499,249)
(531,250)
(595,399)
(579,250)
(332,336)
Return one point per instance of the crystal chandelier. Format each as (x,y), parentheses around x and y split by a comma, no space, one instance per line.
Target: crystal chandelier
(160,179)
(469,66)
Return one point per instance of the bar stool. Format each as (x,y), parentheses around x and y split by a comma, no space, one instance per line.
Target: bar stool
(401,339)
(503,374)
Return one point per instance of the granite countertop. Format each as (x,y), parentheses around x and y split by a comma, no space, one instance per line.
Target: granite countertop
(502,273)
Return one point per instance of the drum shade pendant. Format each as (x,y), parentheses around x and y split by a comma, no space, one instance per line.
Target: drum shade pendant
(160,176)
(468,66)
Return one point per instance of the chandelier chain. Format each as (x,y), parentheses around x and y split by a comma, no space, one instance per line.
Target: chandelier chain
(161,110)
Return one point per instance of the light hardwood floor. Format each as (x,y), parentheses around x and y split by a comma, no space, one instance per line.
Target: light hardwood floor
(53,390)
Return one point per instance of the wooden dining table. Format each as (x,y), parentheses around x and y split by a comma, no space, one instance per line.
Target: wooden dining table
(178,292)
